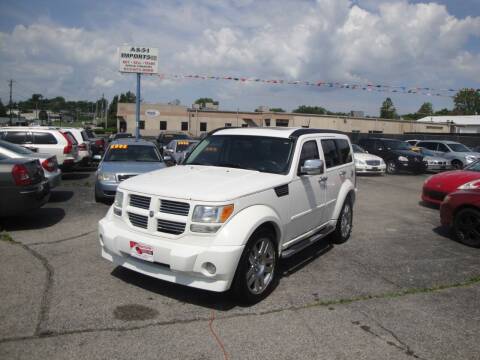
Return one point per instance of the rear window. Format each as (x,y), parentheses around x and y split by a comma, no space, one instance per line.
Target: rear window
(330,152)
(71,137)
(44,138)
(84,135)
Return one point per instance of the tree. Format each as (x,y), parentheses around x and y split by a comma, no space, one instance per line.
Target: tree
(467,102)
(128,97)
(203,101)
(3,109)
(277,110)
(305,109)
(42,115)
(425,110)
(112,112)
(388,111)
(443,112)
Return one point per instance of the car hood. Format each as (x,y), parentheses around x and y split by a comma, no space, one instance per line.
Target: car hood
(133,167)
(364,156)
(203,183)
(451,180)
(407,153)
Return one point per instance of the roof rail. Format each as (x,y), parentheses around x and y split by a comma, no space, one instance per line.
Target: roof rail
(305,131)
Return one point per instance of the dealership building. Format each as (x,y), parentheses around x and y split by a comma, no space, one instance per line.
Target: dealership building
(155,118)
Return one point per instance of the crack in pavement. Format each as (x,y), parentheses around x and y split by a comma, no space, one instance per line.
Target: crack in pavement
(62,240)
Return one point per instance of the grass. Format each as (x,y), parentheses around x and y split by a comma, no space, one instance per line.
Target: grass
(4,236)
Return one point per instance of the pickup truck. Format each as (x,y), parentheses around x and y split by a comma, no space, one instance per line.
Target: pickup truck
(243,199)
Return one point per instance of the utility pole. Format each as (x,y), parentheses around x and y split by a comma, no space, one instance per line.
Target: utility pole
(101,108)
(106,114)
(10,84)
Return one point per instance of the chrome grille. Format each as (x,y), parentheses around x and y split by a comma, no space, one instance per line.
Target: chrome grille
(142,202)
(170,227)
(174,207)
(373,162)
(137,220)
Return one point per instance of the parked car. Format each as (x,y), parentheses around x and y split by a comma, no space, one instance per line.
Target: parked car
(177,149)
(48,162)
(118,136)
(460,211)
(457,153)
(434,161)
(97,145)
(44,141)
(396,154)
(367,163)
(243,198)
(23,186)
(438,186)
(84,144)
(124,159)
(166,136)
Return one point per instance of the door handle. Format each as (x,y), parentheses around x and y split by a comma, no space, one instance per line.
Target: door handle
(323,179)
(342,173)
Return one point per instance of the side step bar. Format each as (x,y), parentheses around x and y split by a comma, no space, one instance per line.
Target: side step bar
(297,247)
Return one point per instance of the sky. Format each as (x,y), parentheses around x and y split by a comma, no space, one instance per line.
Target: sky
(69,49)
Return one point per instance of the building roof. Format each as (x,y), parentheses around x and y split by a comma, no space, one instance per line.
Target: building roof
(456,119)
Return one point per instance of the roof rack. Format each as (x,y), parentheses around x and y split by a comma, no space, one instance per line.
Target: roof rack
(304,131)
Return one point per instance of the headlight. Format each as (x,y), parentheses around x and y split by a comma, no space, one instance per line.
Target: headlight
(470,158)
(402,158)
(212,214)
(106,176)
(359,162)
(475,184)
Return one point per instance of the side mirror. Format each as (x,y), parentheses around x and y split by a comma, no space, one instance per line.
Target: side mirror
(312,167)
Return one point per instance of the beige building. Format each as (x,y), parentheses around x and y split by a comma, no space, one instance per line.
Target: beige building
(155,118)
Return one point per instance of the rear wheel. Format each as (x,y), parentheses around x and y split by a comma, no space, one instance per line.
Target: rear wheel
(466,227)
(457,164)
(344,223)
(391,167)
(256,272)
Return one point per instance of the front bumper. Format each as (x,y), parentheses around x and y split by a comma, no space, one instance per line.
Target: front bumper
(439,167)
(106,189)
(182,262)
(413,166)
(433,196)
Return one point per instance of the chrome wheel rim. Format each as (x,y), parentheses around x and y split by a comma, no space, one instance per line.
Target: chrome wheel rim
(261,260)
(346,221)
(391,167)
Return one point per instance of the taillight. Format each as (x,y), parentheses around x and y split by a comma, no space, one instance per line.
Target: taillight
(100,143)
(67,149)
(83,147)
(49,164)
(20,175)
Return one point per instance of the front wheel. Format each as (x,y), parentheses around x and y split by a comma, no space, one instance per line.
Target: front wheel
(344,223)
(457,164)
(466,227)
(256,272)
(391,167)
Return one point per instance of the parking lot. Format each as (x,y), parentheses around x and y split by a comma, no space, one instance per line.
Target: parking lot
(400,288)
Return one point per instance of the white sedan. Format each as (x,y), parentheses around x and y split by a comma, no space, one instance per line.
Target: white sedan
(366,163)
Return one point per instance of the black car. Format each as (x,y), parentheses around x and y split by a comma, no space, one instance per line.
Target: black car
(165,137)
(396,154)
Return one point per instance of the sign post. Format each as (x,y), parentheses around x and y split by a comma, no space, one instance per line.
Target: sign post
(139,60)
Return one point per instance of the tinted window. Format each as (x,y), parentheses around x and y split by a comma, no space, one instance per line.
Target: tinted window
(458,147)
(309,152)
(428,145)
(44,138)
(16,137)
(330,152)
(203,126)
(138,153)
(396,145)
(84,135)
(443,148)
(344,151)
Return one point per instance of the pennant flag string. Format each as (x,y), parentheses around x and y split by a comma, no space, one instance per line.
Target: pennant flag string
(426,91)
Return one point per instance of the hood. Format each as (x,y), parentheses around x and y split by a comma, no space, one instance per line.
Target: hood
(134,167)
(364,156)
(451,180)
(407,153)
(204,183)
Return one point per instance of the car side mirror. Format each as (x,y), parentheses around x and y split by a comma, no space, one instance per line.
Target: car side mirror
(312,167)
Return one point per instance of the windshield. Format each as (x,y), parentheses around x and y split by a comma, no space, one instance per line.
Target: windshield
(358,149)
(473,167)
(140,153)
(183,145)
(16,148)
(458,147)
(259,153)
(397,145)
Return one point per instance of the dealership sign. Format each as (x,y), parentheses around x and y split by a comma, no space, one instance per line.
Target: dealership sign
(136,59)
(152,113)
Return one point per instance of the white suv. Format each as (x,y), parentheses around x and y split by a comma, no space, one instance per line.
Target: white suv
(241,200)
(45,141)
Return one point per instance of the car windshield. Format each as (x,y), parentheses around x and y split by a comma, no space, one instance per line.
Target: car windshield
(458,147)
(183,145)
(473,167)
(358,149)
(258,153)
(16,148)
(396,145)
(140,153)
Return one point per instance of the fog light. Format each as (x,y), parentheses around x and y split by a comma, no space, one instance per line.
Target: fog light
(211,269)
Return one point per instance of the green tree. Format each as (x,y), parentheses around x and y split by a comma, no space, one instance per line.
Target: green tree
(443,112)
(112,112)
(425,110)
(203,101)
(388,111)
(3,109)
(128,97)
(305,109)
(467,102)
(277,110)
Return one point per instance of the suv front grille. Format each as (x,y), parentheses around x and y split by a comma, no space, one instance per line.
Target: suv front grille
(137,220)
(174,207)
(142,202)
(170,227)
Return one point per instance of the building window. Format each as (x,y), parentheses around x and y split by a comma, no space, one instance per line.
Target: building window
(163,125)
(141,124)
(375,131)
(203,126)
(305,126)
(228,124)
(184,126)
(244,125)
(267,122)
(281,122)
(356,131)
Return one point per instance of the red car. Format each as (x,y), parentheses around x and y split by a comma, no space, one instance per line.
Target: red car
(461,212)
(440,185)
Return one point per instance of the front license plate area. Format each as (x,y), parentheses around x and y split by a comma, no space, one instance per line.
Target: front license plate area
(141,251)
(375,168)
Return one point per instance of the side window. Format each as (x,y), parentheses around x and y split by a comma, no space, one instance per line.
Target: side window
(44,138)
(309,152)
(443,148)
(330,152)
(344,150)
(428,145)
(16,137)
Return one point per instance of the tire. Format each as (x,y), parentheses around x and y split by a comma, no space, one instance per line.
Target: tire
(457,164)
(344,225)
(466,227)
(391,167)
(256,275)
